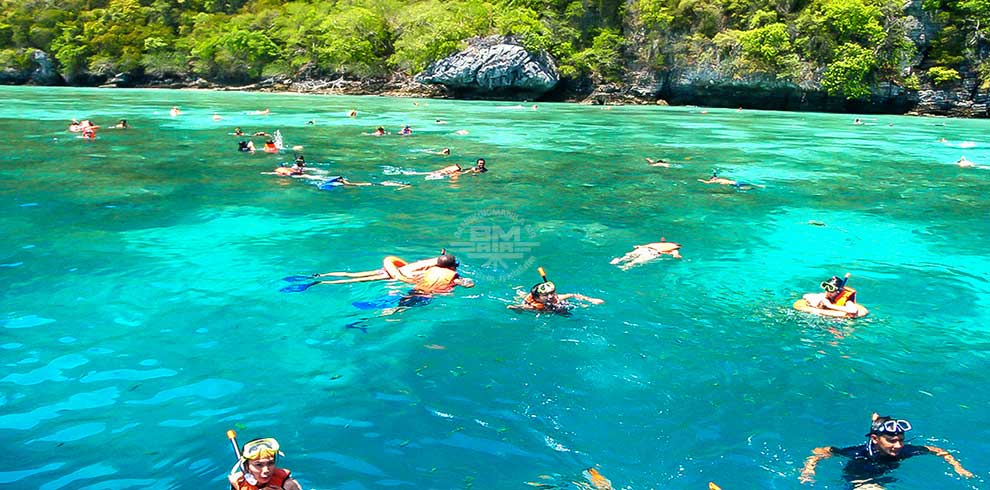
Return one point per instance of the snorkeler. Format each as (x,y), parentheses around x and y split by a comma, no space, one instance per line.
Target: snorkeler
(405,131)
(439,278)
(837,296)
(256,467)
(247,146)
(543,297)
(882,452)
(642,254)
(715,179)
(659,162)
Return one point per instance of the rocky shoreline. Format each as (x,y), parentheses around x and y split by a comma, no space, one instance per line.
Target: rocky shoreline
(500,69)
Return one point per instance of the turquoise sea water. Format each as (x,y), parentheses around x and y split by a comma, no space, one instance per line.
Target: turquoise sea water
(141,314)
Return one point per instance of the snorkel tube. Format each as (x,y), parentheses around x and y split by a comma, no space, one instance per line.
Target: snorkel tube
(542,274)
(233,443)
(845,279)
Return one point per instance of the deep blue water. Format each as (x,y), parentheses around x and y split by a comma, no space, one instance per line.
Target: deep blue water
(141,314)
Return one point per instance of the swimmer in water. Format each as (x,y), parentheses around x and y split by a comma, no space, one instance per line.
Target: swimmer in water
(246,146)
(478,168)
(836,297)
(659,162)
(882,452)
(715,179)
(642,254)
(543,297)
(964,163)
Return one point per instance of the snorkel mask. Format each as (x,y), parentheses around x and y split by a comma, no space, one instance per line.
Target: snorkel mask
(887,425)
(832,285)
(260,448)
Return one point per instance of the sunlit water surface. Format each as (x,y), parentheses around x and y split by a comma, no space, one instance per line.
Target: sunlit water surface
(141,314)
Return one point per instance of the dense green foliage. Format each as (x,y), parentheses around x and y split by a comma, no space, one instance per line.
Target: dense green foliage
(846,45)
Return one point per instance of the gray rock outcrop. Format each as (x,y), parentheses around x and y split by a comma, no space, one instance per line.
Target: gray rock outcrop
(44,72)
(494,67)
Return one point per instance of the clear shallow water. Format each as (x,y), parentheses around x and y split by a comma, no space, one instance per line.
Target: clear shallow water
(141,314)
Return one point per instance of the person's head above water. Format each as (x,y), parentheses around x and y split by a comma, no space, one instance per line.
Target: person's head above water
(445,151)
(259,457)
(480,165)
(887,434)
(300,160)
(447,261)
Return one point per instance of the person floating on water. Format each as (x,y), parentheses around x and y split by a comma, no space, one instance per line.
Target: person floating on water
(298,168)
(175,111)
(405,131)
(246,145)
(642,254)
(392,268)
(379,131)
(882,452)
(352,113)
(659,162)
(715,179)
(439,278)
(256,467)
(270,147)
(122,124)
(837,296)
(964,163)
(543,297)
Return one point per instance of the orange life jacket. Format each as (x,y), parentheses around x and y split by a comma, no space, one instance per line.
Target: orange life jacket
(279,475)
(532,303)
(848,295)
(436,280)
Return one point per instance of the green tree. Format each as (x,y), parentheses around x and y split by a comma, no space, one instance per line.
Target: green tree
(849,74)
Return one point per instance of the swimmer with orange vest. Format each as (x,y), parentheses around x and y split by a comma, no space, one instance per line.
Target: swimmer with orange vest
(393,268)
(642,254)
(543,297)
(256,466)
(439,278)
(838,300)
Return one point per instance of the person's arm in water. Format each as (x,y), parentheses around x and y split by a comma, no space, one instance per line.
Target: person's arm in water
(956,465)
(580,297)
(817,454)
(464,282)
(291,484)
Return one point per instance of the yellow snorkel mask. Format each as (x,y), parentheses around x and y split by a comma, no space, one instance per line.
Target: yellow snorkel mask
(261,448)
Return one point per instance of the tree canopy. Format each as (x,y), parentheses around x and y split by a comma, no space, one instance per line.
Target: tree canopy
(847,44)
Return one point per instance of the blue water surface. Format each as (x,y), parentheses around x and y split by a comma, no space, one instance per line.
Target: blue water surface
(141,314)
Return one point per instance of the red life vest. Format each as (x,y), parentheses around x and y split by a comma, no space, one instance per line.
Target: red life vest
(279,475)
